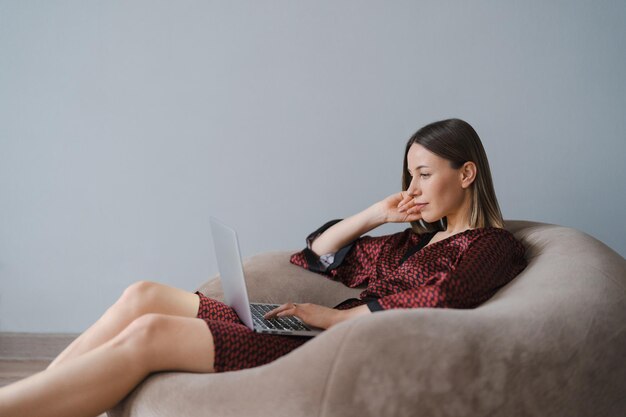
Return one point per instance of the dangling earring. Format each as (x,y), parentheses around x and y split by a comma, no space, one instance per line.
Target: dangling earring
(442,224)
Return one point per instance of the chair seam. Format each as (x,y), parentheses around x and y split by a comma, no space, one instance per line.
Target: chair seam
(608,277)
(332,371)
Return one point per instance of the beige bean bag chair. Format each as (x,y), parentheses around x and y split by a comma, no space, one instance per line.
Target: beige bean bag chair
(550,343)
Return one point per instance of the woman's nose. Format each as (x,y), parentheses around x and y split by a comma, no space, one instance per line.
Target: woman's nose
(413,189)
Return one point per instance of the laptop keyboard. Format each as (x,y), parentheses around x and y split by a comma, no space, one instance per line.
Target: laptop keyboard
(278,323)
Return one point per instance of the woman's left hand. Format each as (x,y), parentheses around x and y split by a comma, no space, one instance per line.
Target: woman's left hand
(311,314)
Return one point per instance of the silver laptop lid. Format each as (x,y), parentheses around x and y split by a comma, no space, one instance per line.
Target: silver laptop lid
(231,270)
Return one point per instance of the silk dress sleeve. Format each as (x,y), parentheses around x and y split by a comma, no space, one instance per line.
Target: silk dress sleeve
(354,264)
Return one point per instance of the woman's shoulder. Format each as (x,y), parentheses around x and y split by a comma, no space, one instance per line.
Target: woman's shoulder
(490,230)
(496,236)
(480,236)
(497,232)
(487,236)
(469,235)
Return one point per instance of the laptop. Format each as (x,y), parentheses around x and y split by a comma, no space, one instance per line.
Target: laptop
(235,292)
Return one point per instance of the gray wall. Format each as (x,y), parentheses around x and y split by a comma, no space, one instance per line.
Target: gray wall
(124,124)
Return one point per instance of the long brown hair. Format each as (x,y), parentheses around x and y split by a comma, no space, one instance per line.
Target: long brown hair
(458,142)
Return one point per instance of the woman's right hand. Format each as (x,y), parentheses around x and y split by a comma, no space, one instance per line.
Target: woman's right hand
(399,208)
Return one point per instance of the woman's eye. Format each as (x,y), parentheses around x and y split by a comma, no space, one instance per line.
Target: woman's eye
(424,175)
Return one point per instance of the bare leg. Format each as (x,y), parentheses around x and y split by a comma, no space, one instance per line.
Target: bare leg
(140,298)
(97,380)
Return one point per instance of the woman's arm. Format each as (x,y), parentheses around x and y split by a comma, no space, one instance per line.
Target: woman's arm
(347,230)
(338,237)
(350,313)
(317,315)
(396,208)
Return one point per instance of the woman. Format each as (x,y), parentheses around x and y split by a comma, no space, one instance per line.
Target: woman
(456,255)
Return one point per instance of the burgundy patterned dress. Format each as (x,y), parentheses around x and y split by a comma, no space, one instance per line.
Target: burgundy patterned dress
(398,270)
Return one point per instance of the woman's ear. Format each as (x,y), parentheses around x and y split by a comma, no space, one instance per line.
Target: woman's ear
(468,174)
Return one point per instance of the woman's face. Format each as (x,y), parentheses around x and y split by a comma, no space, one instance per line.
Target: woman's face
(442,189)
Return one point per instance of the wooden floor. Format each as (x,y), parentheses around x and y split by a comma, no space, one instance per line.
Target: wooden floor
(23,354)
(12,370)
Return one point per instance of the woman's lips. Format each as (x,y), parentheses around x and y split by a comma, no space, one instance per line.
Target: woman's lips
(420,206)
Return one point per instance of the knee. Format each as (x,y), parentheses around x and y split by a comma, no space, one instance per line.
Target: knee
(138,295)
